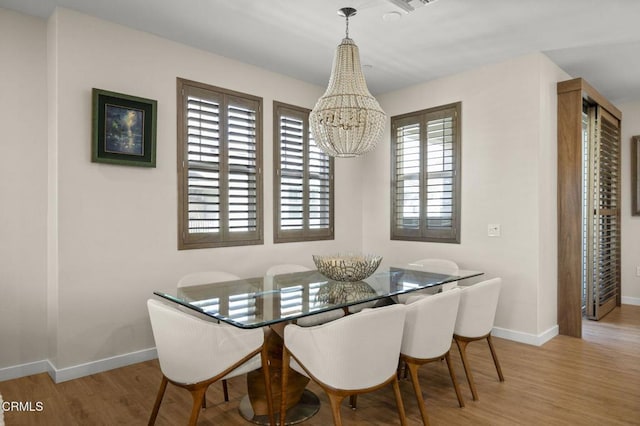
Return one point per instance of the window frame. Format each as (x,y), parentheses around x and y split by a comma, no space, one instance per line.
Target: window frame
(224,238)
(423,233)
(305,234)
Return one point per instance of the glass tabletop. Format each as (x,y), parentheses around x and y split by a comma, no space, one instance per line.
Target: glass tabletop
(260,301)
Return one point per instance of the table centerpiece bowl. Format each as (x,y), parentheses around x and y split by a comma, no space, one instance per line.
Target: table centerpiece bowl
(347,267)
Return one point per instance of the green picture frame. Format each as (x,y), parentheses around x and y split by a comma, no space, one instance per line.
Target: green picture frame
(124,129)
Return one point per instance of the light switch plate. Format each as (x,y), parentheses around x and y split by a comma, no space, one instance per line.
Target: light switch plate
(493,230)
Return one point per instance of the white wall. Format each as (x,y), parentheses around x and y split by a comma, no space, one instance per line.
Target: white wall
(116,224)
(23,189)
(508,169)
(630,224)
(80,256)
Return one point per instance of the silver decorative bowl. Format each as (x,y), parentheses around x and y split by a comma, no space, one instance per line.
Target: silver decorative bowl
(347,267)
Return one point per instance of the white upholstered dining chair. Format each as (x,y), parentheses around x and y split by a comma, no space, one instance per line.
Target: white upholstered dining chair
(319,318)
(440,266)
(194,353)
(351,355)
(427,337)
(476,314)
(209,277)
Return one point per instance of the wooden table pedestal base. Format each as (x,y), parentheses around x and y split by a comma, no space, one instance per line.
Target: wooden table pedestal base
(301,403)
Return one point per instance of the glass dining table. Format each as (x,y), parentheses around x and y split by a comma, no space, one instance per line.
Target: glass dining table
(273,302)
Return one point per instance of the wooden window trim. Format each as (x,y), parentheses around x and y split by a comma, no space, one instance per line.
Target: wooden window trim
(225,238)
(306,234)
(423,234)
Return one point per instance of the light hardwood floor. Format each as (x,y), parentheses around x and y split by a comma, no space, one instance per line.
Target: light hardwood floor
(568,381)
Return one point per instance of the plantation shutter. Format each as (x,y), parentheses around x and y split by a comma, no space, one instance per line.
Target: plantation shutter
(219,165)
(320,189)
(303,184)
(602,240)
(292,179)
(425,175)
(203,164)
(408,197)
(242,170)
(440,174)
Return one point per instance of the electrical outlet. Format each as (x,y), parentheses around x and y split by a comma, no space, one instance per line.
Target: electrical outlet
(493,230)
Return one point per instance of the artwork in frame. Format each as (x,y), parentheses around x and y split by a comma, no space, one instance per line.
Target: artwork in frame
(635,175)
(124,129)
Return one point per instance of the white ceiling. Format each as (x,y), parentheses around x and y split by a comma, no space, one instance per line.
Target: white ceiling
(595,39)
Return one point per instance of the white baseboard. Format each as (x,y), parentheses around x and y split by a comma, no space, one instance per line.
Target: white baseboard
(69,373)
(528,338)
(22,370)
(626,300)
(542,338)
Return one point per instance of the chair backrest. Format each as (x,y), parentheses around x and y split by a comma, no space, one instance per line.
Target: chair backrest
(442,266)
(355,352)
(477,310)
(206,277)
(428,326)
(285,268)
(191,349)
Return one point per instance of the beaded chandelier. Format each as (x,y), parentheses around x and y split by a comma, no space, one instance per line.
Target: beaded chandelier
(347,121)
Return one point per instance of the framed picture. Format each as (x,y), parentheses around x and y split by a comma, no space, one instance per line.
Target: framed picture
(635,175)
(124,129)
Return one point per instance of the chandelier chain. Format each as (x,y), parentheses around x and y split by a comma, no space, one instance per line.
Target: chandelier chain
(347,31)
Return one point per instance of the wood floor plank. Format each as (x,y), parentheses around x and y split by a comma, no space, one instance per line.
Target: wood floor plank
(590,381)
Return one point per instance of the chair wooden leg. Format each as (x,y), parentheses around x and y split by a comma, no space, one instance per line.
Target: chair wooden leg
(264,355)
(156,405)
(413,370)
(495,358)
(285,377)
(396,391)
(462,347)
(335,401)
(447,357)
(198,395)
(225,390)
(353,401)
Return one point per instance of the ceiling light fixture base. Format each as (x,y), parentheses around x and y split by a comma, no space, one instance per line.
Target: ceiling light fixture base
(347,12)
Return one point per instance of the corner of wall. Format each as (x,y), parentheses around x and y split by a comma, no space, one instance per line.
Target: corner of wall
(527,338)
(549,75)
(52,189)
